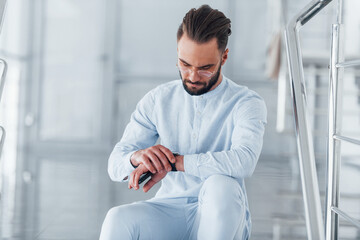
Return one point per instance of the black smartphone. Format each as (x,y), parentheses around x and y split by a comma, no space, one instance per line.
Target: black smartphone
(144,177)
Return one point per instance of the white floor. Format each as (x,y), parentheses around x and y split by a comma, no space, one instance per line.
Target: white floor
(274,193)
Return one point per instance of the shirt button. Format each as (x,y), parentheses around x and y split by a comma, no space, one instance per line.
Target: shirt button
(198,113)
(194,136)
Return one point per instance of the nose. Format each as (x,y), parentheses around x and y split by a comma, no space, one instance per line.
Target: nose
(194,76)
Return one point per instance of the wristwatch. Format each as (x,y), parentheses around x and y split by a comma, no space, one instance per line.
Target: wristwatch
(173,166)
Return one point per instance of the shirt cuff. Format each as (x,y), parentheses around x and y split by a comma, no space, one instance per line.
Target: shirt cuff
(128,167)
(191,164)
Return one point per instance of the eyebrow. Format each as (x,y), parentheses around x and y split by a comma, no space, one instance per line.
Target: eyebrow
(207,65)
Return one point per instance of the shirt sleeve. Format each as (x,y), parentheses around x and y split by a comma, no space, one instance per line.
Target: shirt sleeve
(140,133)
(246,143)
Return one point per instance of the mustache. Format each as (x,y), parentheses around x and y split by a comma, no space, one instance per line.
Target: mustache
(195,83)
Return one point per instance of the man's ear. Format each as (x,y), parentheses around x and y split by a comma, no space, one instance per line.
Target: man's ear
(224,56)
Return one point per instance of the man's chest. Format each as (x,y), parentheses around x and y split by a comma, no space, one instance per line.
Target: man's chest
(196,127)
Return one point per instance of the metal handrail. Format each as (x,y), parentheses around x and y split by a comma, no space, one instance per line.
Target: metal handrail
(310,187)
(282,84)
(2,139)
(2,84)
(2,11)
(353,63)
(3,76)
(346,216)
(346,139)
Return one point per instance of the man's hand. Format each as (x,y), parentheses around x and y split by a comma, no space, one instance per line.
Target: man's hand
(154,179)
(155,158)
(136,174)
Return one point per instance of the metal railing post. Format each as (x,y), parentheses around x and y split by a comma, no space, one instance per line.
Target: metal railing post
(310,187)
(333,162)
(2,138)
(337,65)
(2,84)
(3,74)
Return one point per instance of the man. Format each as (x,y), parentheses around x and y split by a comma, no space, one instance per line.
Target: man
(215,125)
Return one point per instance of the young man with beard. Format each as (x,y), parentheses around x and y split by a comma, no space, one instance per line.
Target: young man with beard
(215,126)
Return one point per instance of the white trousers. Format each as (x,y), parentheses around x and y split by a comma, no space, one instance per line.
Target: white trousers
(218,213)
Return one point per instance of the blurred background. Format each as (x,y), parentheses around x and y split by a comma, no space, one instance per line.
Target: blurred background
(77,70)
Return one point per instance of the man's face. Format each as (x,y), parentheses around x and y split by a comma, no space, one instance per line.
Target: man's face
(200,65)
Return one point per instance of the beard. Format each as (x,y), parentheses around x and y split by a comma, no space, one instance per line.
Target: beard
(206,86)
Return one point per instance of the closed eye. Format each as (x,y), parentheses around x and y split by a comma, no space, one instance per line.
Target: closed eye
(184,63)
(205,68)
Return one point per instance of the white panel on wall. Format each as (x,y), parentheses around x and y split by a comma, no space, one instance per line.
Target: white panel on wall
(73,70)
(14,29)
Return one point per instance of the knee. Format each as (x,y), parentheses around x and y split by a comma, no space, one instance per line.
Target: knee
(115,215)
(116,223)
(222,189)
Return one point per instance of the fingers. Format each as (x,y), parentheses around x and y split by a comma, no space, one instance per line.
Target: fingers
(163,155)
(140,157)
(149,185)
(135,176)
(155,160)
(148,164)
(131,180)
(160,157)
(169,155)
(163,159)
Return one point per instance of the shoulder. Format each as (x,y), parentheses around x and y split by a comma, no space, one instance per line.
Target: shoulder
(248,102)
(241,92)
(166,90)
(155,97)
(161,94)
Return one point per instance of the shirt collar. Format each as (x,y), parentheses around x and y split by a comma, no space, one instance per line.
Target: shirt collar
(215,91)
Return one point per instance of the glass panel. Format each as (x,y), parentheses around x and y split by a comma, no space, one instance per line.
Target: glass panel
(248,39)
(350,116)
(352,28)
(8,163)
(72,70)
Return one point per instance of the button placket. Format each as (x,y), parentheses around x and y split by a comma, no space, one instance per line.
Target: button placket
(200,104)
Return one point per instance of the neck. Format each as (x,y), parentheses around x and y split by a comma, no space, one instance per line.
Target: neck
(218,82)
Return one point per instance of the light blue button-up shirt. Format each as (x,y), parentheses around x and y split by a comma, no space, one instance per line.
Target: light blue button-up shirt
(219,132)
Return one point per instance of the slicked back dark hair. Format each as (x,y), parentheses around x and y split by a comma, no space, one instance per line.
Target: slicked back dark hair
(203,24)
